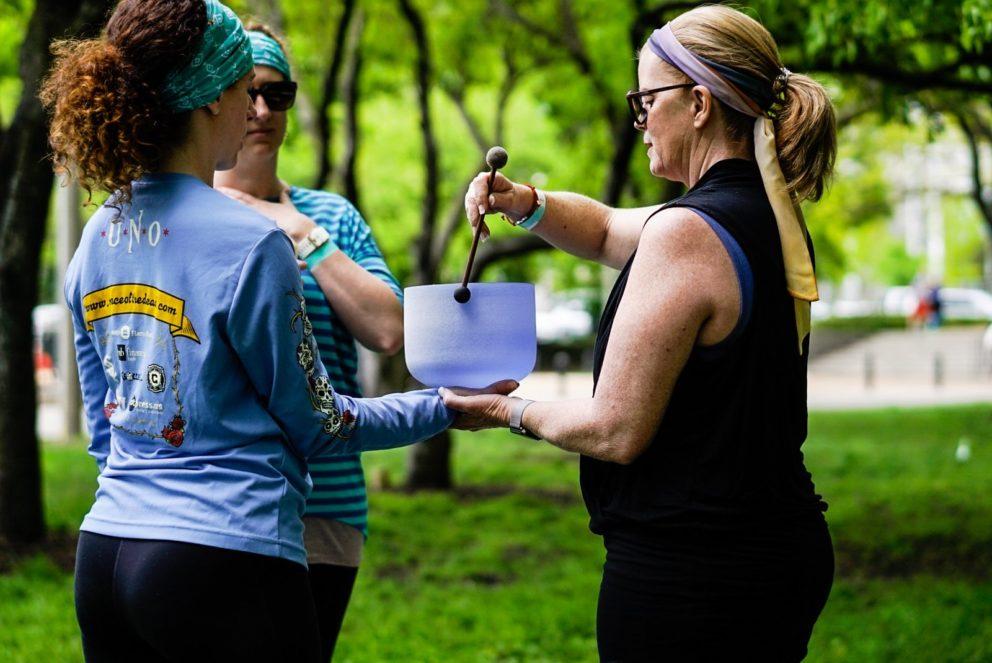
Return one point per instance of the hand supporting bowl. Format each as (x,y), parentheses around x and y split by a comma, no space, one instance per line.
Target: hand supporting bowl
(491,337)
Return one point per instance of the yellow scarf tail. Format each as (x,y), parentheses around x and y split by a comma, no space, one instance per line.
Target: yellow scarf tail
(800,278)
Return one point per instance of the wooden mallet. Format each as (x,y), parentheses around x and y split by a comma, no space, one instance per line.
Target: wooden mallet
(496,158)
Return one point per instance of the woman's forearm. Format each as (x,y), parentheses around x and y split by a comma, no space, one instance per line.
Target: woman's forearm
(588,426)
(367,306)
(588,229)
(574,223)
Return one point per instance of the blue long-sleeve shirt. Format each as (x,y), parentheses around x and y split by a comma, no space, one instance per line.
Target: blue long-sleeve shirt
(203,389)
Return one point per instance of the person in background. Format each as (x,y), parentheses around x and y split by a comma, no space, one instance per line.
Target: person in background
(350,294)
(936,305)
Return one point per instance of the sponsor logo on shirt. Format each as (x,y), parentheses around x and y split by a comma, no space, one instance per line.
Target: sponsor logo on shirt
(125,353)
(142,299)
(131,376)
(125,332)
(147,406)
(155,379)
(134,410)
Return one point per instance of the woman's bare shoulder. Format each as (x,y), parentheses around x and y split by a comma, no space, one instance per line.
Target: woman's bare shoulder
(679,232)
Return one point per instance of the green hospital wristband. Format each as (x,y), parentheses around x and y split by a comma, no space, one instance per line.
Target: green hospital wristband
(321,252)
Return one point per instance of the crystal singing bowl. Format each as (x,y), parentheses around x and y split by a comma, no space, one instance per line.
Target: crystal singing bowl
(491,337)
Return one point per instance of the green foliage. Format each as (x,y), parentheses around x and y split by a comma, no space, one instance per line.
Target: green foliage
(976,25)
(896,266)
(13,24)
(37,619)
(967,239)
(70,484)
(568,84)
(856,203)
(863,323)
(917,33)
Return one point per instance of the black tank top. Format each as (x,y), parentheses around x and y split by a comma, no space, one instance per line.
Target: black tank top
(727,449)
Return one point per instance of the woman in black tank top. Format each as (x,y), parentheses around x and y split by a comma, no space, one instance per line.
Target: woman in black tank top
(691,468)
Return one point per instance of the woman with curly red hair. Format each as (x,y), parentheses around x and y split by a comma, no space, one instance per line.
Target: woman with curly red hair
(203,389)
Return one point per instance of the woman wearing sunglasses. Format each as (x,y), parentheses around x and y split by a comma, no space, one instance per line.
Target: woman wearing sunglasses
(350,294)
(203,390)
(691,468)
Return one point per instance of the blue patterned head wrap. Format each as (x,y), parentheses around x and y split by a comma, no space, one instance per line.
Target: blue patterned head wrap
(269,53)
(224,56)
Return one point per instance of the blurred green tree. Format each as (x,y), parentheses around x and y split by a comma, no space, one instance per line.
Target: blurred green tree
(25,191)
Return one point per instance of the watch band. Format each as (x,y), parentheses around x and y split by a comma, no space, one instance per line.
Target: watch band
(517,415)
(316,238)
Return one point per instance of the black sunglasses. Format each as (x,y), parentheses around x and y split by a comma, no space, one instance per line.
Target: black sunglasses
(278,96)
(637,109)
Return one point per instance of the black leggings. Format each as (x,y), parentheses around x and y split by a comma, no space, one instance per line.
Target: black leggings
(331,586)
(143,600)
(714,597)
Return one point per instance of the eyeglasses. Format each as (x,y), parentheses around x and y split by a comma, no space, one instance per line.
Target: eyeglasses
(279,96)
(637,109)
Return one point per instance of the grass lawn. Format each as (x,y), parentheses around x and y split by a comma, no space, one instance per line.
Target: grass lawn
(505,569)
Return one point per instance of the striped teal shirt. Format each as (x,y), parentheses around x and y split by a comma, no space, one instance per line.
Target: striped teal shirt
(338,481)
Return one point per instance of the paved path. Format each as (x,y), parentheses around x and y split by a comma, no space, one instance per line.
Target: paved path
(949,354)
(901,374)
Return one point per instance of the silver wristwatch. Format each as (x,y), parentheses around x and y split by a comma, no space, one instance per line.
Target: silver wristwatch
(517,415)
(315,239)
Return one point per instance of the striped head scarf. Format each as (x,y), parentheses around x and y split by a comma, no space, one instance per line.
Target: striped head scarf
(267,51)
(224,56)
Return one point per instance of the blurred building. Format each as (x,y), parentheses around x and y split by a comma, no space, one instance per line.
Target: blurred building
(921,177)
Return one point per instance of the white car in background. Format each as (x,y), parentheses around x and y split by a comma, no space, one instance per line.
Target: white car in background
(49,322)
(565,320)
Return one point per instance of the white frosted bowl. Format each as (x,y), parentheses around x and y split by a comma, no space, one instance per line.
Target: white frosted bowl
(491,337)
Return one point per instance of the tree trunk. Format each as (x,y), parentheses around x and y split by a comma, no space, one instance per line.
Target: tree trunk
(25,194)
(350,89)
(268,12)
(971,126)
(424,267)
(429,463)
(624,139)
(328,95)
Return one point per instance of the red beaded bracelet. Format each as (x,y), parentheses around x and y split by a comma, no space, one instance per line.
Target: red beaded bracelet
(530,212)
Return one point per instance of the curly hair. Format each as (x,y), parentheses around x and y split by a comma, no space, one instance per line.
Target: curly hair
(109,125)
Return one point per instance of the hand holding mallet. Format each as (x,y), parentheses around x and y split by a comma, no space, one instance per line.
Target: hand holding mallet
(496,158)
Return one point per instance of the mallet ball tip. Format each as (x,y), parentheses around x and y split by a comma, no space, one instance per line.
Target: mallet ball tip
(496,157)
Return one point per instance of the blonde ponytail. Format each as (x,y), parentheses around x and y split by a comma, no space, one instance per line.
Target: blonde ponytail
(805,127)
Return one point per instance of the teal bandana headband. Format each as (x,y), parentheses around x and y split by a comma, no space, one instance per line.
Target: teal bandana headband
(224,56)
(269,53)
